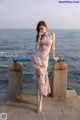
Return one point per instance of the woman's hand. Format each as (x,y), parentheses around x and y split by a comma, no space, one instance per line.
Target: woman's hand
(40,34)
(55,58)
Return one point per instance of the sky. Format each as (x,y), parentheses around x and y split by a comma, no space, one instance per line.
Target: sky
(27,13)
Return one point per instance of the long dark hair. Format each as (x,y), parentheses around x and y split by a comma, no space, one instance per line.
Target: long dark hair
(37,28)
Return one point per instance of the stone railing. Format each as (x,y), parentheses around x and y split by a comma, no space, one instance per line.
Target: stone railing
(58,80)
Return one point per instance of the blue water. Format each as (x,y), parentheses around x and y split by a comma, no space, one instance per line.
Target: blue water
(16,43)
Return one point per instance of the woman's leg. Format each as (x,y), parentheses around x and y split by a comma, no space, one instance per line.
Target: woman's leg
(40,98)
(40,103)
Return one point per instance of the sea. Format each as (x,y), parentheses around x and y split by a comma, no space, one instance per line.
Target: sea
(20,43)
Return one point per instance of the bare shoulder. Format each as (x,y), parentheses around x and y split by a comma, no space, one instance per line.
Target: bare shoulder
(53,34)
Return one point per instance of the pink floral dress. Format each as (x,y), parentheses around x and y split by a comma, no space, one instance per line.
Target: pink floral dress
(40,65)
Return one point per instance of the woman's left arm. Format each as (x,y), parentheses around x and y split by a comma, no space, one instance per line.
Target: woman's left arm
(53,47)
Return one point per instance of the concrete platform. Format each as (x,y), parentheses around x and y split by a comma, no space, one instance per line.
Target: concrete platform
(53,109)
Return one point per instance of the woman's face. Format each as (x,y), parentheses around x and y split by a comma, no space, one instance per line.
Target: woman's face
(42,29)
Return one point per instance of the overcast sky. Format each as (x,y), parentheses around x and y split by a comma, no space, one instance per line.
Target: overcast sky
(27,13)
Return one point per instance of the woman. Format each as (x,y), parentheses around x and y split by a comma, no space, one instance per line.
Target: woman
(44,43)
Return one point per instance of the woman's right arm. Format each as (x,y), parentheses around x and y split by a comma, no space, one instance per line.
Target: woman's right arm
(37,45)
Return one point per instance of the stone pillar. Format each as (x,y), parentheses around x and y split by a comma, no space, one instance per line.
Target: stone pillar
(59,80)
(15,80)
